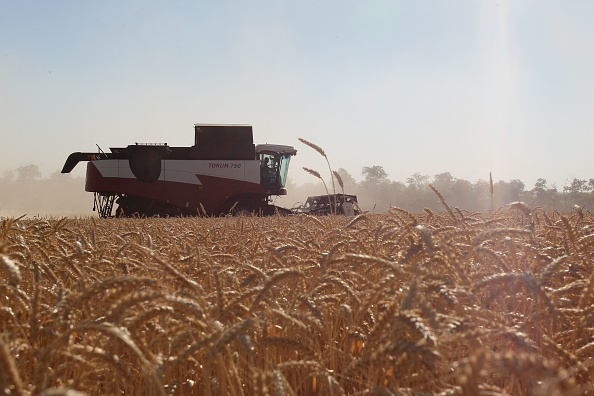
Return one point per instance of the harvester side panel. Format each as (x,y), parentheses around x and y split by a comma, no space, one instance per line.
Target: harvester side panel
(184,183)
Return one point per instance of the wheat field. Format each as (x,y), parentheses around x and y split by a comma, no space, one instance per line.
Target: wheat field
(432,303)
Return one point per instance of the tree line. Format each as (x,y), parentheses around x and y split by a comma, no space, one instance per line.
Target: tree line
(376,192)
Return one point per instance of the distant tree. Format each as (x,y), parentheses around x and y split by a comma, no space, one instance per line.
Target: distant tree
(544,195)
(28,172)
(444,179)
(374,173)
(8,175)
(508,192)
(553,197)
(575,187)
(463,195)
(539,192)
(374,189)
(417,181)
(444,182)
(515,189)
(576,193)
(540,185)
(419,195)
(481,191)
(395,194)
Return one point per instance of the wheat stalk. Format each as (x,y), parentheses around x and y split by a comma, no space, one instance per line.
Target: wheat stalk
(323,154)
(491,191)
(317,174)
(10,380)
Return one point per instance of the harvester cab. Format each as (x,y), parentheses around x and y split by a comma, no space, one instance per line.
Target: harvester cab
(274,166)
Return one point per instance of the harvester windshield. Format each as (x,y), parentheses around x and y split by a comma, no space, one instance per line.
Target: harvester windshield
(284,168)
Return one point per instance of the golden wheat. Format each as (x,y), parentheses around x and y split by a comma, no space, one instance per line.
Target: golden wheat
(395,303)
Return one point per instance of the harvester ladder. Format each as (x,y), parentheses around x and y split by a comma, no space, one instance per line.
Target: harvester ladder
(103,204)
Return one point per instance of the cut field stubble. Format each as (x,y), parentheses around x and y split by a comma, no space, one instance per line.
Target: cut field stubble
(394,303)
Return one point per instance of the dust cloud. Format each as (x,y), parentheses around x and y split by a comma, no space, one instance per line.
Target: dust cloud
(23,191)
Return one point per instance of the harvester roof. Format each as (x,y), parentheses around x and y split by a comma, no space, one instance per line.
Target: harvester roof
(276,148)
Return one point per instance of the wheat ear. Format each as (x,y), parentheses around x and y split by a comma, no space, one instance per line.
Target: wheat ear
(339,180)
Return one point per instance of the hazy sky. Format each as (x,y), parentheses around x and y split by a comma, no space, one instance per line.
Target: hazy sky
(466,87)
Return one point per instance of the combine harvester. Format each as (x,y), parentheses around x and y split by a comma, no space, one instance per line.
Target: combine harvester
(222,173)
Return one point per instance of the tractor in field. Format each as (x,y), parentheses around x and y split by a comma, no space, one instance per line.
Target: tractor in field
(341,204)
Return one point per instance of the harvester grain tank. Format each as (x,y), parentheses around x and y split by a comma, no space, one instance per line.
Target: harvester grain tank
(223,172)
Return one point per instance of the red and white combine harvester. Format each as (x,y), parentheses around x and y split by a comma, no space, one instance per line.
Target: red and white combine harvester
(223,172)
